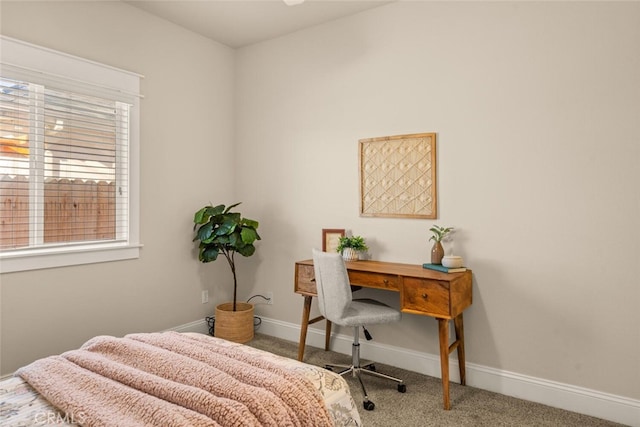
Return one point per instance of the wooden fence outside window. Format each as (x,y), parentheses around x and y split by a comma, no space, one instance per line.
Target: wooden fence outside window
(74,210)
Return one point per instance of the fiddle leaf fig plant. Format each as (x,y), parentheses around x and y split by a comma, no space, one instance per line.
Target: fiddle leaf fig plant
(220,231)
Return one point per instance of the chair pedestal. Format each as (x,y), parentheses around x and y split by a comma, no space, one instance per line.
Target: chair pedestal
(356,370)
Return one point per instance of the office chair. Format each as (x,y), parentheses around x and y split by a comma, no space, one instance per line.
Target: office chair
(336,304)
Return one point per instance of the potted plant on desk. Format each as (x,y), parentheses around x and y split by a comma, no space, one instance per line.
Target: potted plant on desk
(222,232)
(350,247)
(437,251)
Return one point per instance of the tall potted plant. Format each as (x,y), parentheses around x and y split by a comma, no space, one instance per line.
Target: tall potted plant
(222,232)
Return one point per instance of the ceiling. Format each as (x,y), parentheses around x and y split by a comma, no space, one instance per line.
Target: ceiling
(238,23)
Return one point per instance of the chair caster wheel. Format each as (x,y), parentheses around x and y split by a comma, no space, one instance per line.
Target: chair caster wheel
(371,367)
(402,388)
(328,368)
(368,405)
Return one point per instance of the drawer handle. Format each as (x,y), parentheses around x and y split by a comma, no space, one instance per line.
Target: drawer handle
(313,279)
(425,296)
(385,281)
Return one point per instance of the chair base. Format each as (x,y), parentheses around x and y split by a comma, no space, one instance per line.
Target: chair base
(369,369)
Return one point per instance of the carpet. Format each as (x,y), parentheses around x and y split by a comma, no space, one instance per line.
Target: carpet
(421,405)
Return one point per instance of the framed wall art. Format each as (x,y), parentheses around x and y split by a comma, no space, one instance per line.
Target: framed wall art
(398,176)
(331,239)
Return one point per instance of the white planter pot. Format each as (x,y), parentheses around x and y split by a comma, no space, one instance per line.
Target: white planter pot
(349,254)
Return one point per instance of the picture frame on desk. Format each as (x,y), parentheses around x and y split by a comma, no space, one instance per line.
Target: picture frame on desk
(331,238)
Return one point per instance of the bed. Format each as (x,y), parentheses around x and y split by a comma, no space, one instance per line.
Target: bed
(174,379)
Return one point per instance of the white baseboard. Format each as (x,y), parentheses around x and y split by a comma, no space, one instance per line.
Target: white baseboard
(199,326)
(564,396)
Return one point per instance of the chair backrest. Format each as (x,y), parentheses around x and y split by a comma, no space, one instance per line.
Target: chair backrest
(332,284)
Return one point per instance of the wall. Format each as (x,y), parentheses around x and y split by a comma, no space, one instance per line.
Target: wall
(536,108)
(186,129)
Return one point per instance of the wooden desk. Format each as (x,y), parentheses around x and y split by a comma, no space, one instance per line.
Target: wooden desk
(422,291)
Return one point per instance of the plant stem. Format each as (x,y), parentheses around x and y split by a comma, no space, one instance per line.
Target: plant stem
(235,283)
(229,256)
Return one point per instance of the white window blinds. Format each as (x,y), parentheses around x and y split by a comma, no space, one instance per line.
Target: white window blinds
(68,152)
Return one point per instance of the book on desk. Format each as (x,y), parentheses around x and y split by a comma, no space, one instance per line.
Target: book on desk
(443,269)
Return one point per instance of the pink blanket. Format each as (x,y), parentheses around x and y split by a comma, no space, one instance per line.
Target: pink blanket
(170,379)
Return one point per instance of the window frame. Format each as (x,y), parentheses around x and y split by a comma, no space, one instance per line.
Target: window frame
(40,65)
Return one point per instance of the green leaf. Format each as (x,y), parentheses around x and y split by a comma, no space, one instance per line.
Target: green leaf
(250,223)
(205,232)
(209,241)
(226,228)
(249,235)
(199,217)
(247,250)
(222,240)
(208,254)
(231,207)
(235,240)
(215,211)
(236,217)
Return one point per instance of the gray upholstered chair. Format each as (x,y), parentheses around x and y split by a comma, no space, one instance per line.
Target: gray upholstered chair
(336,304)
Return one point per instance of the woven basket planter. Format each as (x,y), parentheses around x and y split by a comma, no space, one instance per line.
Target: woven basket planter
(236,326)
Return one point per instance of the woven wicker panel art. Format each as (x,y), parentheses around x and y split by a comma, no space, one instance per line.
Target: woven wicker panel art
(398,176)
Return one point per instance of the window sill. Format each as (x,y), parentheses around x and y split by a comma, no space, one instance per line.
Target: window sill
(64,257)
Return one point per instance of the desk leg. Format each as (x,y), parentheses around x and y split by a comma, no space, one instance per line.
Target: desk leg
(459,327)
(443,331)
(303,326)
(327,337)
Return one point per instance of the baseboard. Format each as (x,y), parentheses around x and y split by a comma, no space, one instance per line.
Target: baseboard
(199,326)
(564,396)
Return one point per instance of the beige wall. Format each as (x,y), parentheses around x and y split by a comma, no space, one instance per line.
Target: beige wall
(186,129)
(536,108)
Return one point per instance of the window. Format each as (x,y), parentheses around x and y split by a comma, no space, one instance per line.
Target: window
(68,160)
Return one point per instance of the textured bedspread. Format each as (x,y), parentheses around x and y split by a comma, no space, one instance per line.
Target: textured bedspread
(172,379)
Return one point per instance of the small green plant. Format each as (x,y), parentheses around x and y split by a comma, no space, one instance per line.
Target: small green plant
(439,232)
(355,242)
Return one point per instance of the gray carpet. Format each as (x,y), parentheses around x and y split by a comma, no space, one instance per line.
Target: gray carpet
(421,405)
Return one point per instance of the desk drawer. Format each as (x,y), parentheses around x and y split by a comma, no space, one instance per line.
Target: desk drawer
(425,296)
(305,281)
(374,280)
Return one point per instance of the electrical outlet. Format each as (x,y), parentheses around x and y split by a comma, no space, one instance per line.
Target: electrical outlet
(205,297)
(270,296)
